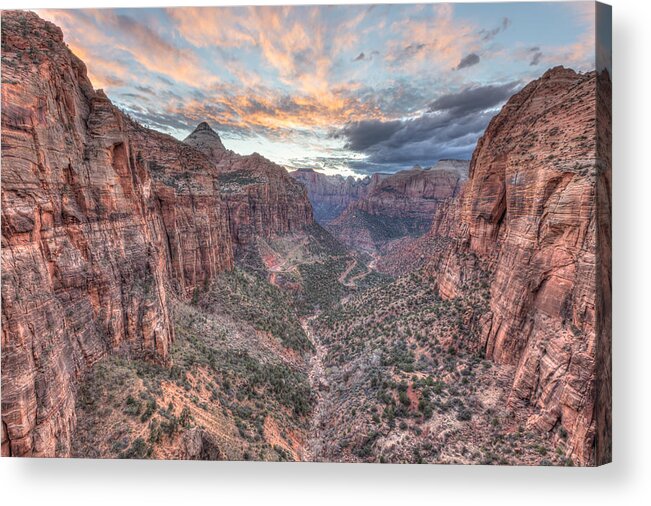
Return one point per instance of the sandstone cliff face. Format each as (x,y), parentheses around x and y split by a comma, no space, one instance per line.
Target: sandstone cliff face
(81,270)
(399,205)
(102,220)
(528,218)
(260,198)
(411,194)
(330,195)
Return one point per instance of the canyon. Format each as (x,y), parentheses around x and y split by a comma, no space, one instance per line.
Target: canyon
(400,205)
(176,300)
(330,195)
(370,213)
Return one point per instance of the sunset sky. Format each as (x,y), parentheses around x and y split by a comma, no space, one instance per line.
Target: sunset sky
(351,89)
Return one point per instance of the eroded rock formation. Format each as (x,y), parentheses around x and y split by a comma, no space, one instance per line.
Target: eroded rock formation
(260,198)
(330,195)
(528,218)
(399,205)
(102,220)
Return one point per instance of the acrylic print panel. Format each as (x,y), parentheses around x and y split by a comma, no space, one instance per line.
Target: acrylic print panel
(307,233)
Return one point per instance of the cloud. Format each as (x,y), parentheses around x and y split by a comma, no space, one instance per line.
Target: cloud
(108,40)
(361,135)
(381,78)
(474,99)
(449,128)
(396,145)
(366,57)
(145,89)
(436,41)
(468,61)
(535,59)
(487,35)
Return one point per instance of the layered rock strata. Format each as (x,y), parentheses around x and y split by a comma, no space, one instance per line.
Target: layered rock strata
(330,195)
(399,205)
(102,220)
(260,198)
(532,218)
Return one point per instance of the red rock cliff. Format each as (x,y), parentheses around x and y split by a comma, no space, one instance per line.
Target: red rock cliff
(260,198)
(401,204)
(99,217)
(528,219)
(411,194)
(330,195)
(101,220)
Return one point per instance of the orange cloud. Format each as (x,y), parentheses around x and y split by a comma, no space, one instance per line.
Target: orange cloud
(92,31)
(207,26)
(438,42)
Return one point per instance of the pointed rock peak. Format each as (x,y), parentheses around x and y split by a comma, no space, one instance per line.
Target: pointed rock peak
(206,140)
(204,126)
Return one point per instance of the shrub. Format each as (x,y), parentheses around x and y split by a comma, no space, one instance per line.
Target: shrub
(464,415)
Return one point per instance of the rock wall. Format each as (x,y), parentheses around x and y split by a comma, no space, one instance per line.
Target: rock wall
(529,218)
(102,219)
(260,198)
(83,269)
(413,194)
(399,205)
(330,195)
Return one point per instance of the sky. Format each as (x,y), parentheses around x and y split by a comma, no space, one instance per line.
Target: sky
(345,89)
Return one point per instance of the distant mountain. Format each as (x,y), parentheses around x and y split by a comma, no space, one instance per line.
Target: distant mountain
(330,195)
(399,205)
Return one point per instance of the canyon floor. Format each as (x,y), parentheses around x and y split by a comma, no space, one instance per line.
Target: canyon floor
(305,352)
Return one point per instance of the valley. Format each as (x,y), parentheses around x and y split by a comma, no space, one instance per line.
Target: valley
(172,299)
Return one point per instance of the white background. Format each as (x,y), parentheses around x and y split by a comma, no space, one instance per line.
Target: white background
(626,481)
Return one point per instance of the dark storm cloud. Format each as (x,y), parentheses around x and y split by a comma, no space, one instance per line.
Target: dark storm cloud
(361,135)
(449,129)
(468,61)
(473,99)
(396,145)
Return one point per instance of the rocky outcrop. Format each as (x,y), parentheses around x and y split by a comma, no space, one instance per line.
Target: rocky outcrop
(198,444)
(412,195)
(206,140)
(528,222)
(330,195)
(102,220)
(260,198)
(400,205)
